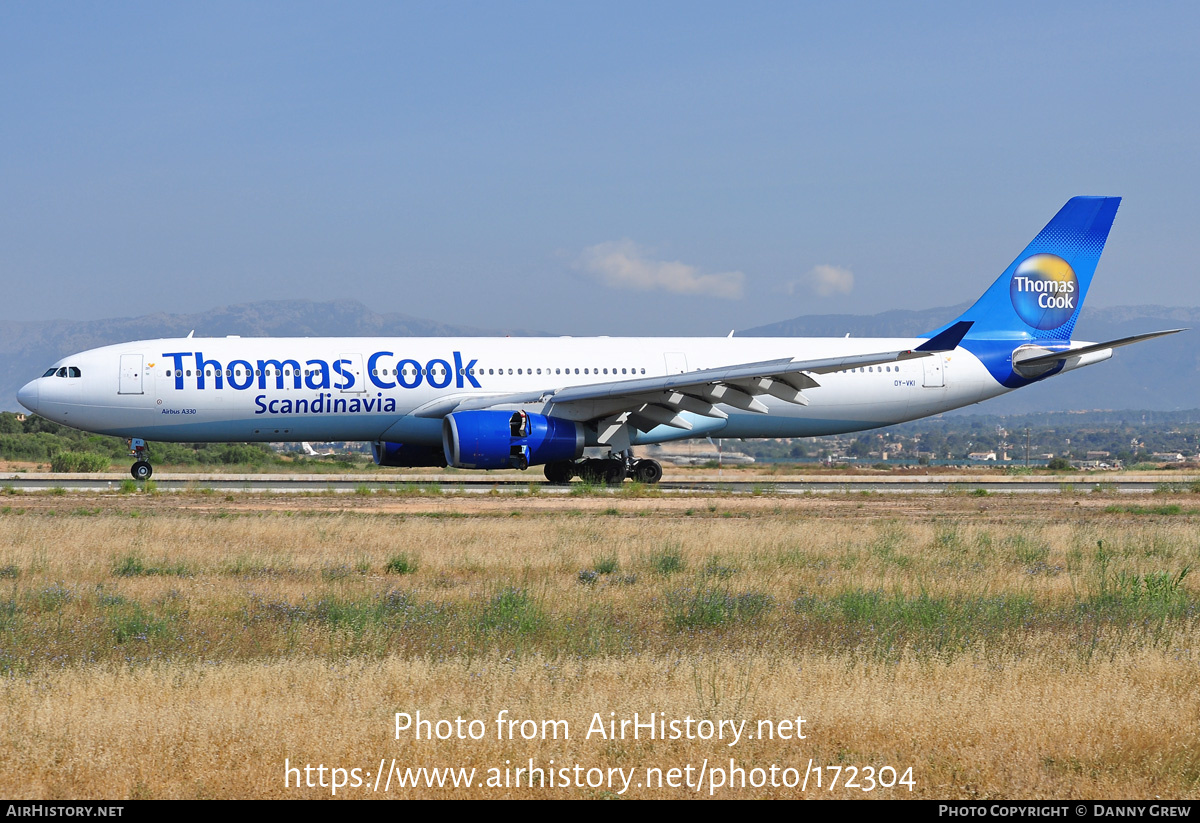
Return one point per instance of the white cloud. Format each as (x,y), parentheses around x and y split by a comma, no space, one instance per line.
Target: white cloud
(622,264)
(825,280)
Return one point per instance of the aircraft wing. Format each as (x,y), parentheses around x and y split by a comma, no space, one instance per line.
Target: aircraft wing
(647,402)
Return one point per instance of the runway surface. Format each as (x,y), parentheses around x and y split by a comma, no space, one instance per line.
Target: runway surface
(675,483)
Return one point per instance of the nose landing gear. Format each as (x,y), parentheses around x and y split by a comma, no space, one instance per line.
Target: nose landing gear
(142,469)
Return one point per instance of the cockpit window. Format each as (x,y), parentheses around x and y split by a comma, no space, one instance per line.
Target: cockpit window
(61,372)
(49,372)
(73,371)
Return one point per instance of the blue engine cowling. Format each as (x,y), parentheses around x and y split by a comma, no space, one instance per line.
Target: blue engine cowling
(407,455)
(506,439)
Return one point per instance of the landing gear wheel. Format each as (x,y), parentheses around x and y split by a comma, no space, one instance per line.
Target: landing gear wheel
(647,471)
(614,472)
(141,470)
(592,471)
(560,473)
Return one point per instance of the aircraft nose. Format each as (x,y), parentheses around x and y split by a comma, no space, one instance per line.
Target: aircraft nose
(28,395)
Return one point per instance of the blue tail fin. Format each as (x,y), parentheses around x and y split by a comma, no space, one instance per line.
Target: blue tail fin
(1040,294)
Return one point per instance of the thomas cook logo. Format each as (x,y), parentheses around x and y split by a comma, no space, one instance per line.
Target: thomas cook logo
(1044,291)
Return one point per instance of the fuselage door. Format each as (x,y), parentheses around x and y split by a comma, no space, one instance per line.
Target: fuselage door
(352,377)
(935,371)
(131,374)
(676,362)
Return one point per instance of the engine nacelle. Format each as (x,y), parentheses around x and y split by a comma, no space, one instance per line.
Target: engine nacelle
(502,439)
(407,455)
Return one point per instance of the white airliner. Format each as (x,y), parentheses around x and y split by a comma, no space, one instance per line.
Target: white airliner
(309,451)
(481,403)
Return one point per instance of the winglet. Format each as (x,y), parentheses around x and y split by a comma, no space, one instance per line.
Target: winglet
(947,340)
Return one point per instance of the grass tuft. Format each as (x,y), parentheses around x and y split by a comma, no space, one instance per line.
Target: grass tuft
(606,565)
(1166,510)
(713,567)
(510,611)
(134,565)
(667,560)
(402,563)
(708,608)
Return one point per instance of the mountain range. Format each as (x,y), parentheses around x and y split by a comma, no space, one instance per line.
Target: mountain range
(1161,374)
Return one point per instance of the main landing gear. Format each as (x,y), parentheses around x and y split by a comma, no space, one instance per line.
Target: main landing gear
(610,471)
(142,469)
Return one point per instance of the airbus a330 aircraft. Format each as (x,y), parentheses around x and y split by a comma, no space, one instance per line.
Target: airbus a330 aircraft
(481,403)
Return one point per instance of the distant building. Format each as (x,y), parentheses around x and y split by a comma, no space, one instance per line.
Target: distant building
(981,457)
(1095,465)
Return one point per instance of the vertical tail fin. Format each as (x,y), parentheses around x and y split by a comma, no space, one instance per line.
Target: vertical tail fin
(1040,294)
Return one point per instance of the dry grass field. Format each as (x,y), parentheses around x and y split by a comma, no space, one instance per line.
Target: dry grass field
(188,645)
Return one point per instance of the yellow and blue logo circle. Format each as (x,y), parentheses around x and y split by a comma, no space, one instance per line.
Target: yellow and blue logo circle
(1044,291)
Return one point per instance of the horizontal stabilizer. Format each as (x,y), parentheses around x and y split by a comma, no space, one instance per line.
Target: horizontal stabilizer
(1054,357)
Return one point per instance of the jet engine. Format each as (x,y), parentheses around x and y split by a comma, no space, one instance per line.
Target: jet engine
(407,455)
(502,439)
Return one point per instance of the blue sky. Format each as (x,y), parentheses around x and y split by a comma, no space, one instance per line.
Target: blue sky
(585,168)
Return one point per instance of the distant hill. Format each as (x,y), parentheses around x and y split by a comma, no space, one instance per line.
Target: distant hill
(1161,374)
(27,348)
